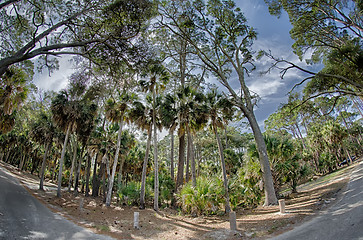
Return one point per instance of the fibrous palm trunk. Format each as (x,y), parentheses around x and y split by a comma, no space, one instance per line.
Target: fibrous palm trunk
(61,162)
(180,174)
(110,184)
(144,168)
(70,182)
(43,167)
(223,164)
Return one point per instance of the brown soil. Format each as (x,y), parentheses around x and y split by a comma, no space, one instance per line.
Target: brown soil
(259,223)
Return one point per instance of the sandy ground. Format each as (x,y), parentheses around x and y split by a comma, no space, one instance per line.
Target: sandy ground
(259,223)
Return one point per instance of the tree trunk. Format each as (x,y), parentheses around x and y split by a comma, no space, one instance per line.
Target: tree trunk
(191,157)
(156,164)
(43,166)
(110,184)
(172,155)
(223,164)
(144,168)
(70,182)
(270,195)
(180,174)
(88,173)
(108,176)
(21,165)
(187,174)
(77,177)
(95,181)
(61,162)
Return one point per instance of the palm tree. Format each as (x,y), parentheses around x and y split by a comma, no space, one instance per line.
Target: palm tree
(115,112)
(217,106)
(142,117)
(155,70)
(13,92)
(191,119)
(65,112)
(168,114)
(43,131)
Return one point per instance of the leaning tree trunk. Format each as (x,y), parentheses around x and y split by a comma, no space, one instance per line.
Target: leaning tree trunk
(110,184)
(223,163)
(43,166)
(144,168)
(61,162)
(270,195)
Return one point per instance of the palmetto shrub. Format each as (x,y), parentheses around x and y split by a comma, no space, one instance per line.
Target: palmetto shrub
(130,193)
(207,197)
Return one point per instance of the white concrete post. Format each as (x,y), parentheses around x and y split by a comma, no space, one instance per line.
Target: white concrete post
(136,220)
(232,221)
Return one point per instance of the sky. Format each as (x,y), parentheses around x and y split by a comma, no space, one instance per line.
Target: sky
(273,35)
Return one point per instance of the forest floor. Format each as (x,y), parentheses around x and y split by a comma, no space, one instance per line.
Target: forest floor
(258,223)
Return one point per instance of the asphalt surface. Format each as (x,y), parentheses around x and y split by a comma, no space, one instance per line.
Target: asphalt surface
(24,217)
(342,221)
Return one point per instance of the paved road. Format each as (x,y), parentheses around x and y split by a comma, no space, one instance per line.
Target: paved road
(342,221)
(24,217)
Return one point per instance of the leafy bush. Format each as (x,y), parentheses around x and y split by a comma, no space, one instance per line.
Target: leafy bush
(244,188)
(207,197)
(130,193)
(166,187)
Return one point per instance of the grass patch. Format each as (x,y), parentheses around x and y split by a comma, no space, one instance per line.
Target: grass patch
(104,228)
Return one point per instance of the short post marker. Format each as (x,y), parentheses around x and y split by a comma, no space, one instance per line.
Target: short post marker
(232,221)
(282,205)
(136,220)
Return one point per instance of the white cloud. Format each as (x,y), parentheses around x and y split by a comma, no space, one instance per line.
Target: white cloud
(58,79)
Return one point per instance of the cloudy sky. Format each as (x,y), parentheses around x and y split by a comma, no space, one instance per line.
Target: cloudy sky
(273,34)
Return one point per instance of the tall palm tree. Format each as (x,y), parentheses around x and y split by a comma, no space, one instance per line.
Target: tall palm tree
(168,114)
(191,119)
(142,117)
(116,112)
(156,71)
(219,109)
(43,131)
(65,113)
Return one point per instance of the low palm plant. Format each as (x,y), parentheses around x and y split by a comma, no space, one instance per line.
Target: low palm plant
(205,198)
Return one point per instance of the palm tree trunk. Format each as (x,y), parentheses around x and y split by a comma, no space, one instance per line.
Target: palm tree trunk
(110,184)
(21,165)
(180,174)
(172,155)
(144,168)
(61,161)
(88,173)
(191,157)
(43,166)
(187,174)
(156,164)
(76,181)
(223,163)
(70,182)
(95,181)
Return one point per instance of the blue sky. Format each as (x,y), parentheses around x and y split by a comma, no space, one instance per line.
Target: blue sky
(273,34)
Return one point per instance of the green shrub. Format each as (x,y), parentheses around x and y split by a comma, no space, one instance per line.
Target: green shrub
(244,188)
(130,193)
(207,197)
